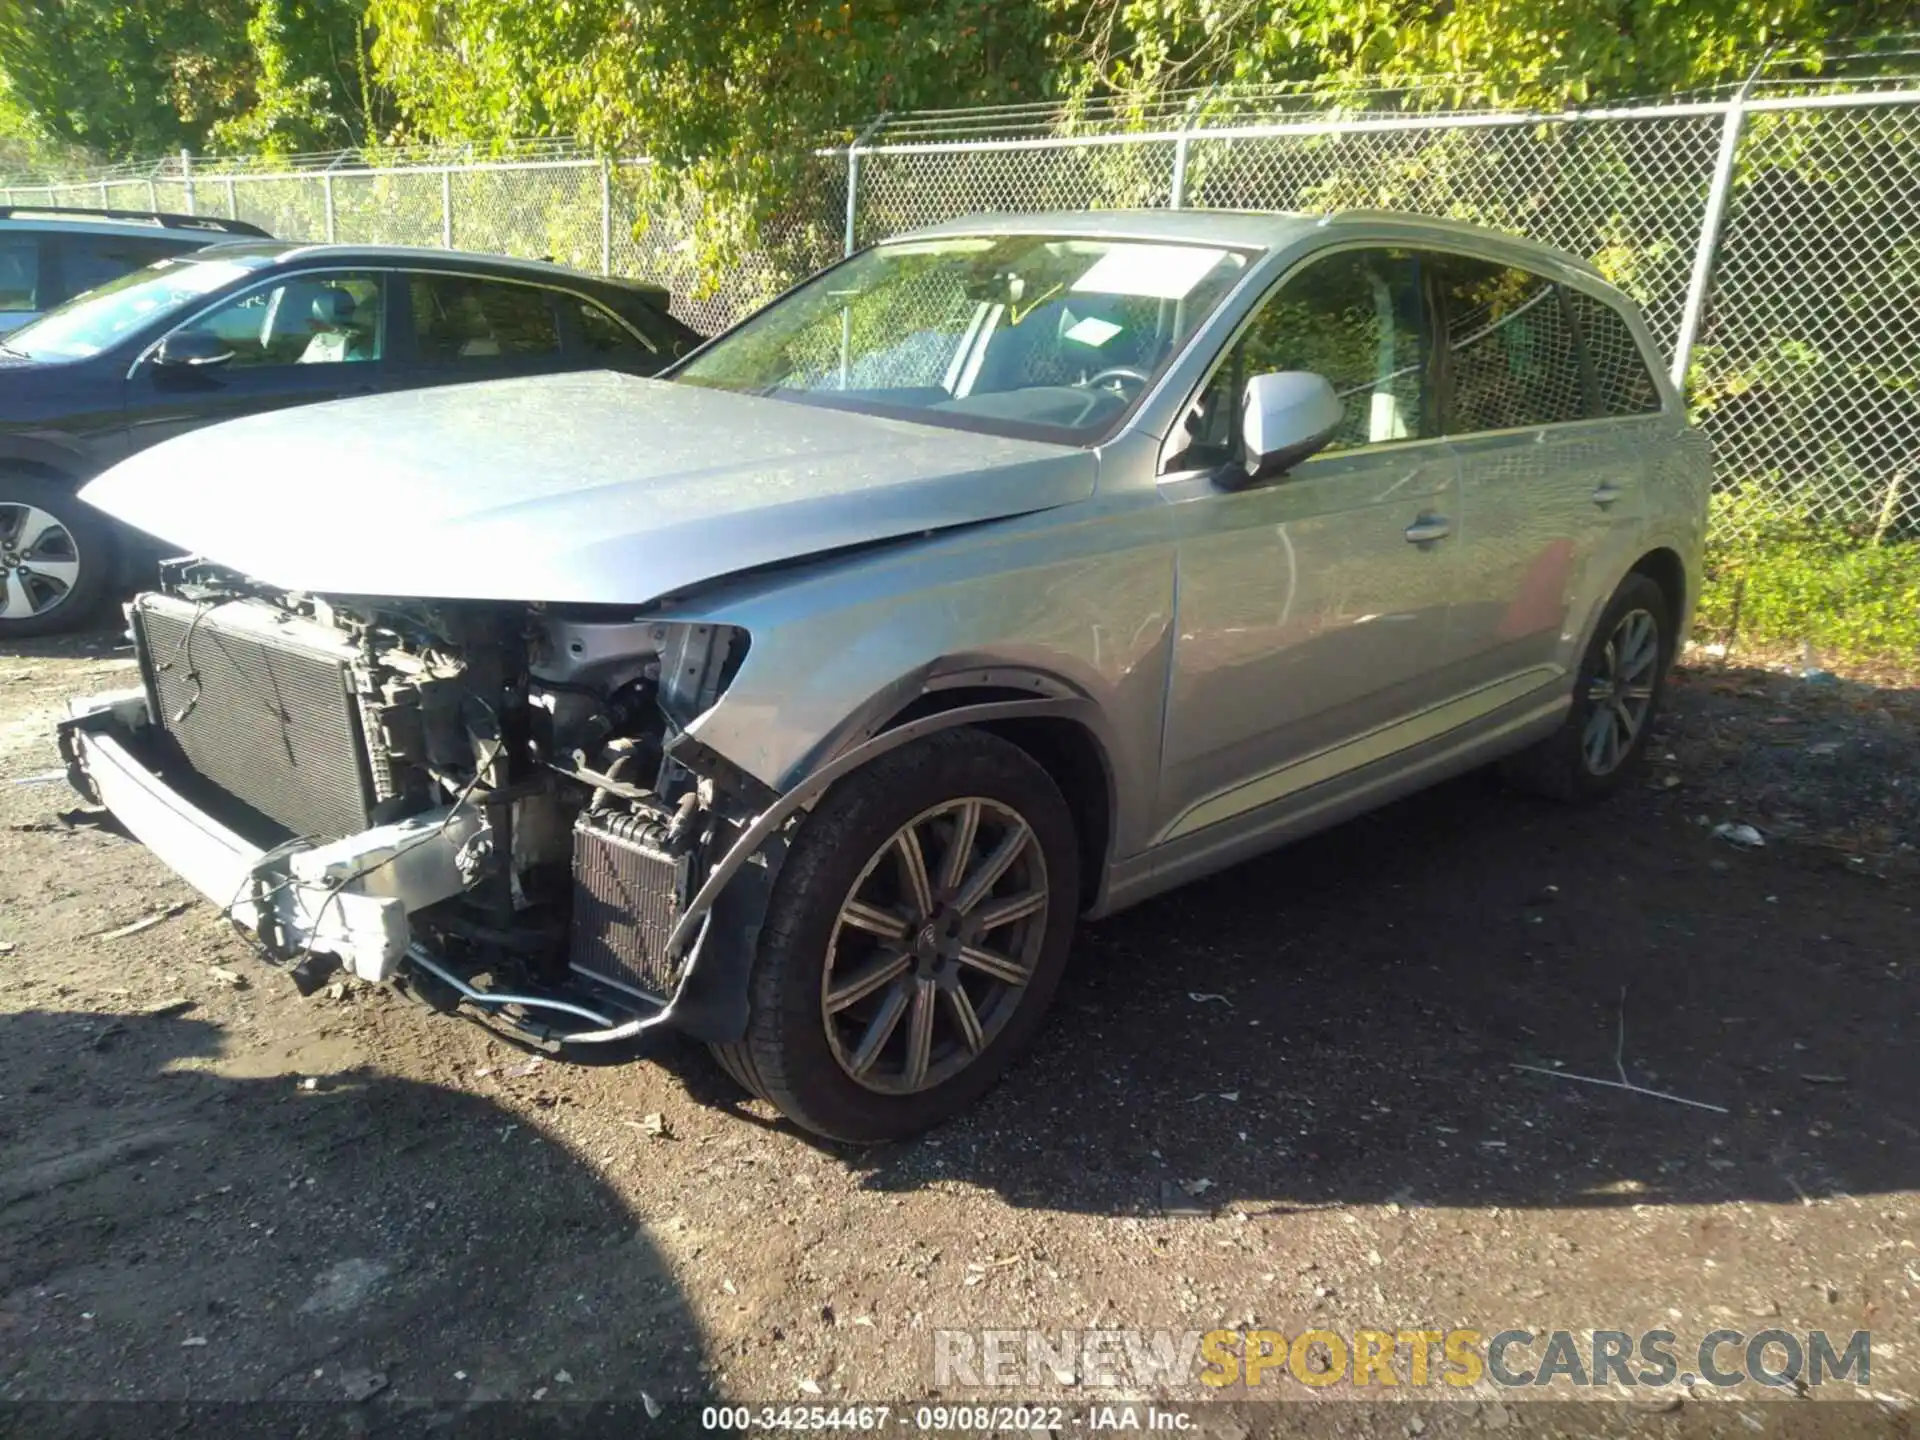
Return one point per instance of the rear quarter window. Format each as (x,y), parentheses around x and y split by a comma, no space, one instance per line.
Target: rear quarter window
(1621,376)
(607,338)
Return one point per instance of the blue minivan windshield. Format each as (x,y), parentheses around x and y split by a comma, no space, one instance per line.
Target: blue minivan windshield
(100,319)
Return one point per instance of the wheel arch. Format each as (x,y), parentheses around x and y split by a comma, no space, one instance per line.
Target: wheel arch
(1064,741)
(42,463)
(1666,569)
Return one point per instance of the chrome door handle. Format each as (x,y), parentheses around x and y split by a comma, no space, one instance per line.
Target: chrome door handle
(1605,495)
(1429,528)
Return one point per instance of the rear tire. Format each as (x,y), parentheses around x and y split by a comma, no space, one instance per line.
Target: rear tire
(57,558)
(915,937)
(1616,697)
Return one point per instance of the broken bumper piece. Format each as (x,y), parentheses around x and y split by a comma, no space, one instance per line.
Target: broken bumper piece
(349,898)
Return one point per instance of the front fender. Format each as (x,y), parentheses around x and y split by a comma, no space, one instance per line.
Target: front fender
(714,1004)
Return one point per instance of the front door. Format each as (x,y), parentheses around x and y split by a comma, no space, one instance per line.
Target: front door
(1312,608)
(294,340)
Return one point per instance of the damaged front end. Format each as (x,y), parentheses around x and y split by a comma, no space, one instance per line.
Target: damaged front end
(494,804)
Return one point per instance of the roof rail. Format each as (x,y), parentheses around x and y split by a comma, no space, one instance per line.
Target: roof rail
(1375,214)
(161,218)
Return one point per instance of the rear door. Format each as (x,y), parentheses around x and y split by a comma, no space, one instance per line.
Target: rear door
(1552,489)
(290,340)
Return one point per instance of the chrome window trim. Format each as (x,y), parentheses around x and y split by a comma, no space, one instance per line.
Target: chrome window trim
(282,276)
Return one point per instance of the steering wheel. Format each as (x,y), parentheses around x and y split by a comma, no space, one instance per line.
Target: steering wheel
(1118,372)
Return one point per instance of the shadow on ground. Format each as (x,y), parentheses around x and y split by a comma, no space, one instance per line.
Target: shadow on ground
(1339,1022)
(170,1234)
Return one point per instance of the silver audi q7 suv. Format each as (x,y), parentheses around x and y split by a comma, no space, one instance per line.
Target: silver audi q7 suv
(1008,572)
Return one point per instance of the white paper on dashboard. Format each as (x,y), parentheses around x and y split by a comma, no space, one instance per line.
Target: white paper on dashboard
(1154,272)
(1093,331)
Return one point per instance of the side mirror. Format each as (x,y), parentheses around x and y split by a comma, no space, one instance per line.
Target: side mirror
(191,350)
(1284,418)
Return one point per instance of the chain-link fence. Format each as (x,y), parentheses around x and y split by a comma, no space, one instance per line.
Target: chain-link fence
(1774,240)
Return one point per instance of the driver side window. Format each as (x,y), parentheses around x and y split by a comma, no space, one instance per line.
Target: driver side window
(1359,318)
(305,320)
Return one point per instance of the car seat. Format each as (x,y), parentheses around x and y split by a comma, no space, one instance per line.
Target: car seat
(341,329)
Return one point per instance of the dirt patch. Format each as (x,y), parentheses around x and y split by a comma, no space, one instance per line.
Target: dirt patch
(1284,1097)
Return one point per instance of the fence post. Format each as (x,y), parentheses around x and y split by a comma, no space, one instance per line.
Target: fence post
(1177,192)
(153,195)
(326,192)
(849,245)
(1712,224)
(233,201)
(186,179)
(606,216)
(446,208)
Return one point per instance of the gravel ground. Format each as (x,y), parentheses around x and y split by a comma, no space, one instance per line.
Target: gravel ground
(1285,1097)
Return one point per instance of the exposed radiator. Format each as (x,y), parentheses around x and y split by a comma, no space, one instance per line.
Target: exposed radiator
(626,897)
(265,711)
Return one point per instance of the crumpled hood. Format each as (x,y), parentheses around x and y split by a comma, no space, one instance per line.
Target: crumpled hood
(590,488)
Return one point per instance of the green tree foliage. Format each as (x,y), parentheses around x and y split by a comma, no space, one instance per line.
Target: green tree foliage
(1503,52)
(729,94)
(729,97)
(313,84)
(126,78)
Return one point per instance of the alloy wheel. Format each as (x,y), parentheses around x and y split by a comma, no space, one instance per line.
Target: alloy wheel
(934,945)
(1620,692)
(39,561)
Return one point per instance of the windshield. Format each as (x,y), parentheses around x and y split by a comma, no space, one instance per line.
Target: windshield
(88,324)
(1046,336)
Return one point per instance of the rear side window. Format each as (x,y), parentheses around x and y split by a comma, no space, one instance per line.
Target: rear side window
(1511,358)
(19,273)
(1624,384)
(89,261)
(462,318)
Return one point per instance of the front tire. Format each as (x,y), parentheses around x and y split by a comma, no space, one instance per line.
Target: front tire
(56,558)
(1615,698)
(914,939)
